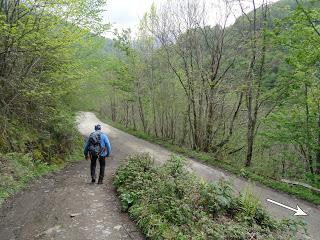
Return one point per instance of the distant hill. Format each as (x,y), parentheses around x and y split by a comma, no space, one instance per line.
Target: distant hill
(276,55)
(279,10)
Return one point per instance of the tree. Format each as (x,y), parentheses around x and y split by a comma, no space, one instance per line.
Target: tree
(38,40)
(298,119)
(195,53)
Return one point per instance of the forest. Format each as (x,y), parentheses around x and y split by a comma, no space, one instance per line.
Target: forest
(245,96)
(232,86)
(40,72)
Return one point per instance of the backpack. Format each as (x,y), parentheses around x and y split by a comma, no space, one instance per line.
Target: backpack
(95,143)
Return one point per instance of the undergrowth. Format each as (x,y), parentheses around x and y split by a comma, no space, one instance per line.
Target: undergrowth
(168,202)
(18,169)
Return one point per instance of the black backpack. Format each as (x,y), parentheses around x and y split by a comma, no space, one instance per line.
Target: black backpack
(95,143)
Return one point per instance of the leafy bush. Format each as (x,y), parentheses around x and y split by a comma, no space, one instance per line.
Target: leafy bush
(52,140)
(168,202)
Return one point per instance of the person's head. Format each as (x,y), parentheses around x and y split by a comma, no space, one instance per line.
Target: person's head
(97,127)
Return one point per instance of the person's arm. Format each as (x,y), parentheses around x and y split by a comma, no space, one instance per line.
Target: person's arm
(107,145)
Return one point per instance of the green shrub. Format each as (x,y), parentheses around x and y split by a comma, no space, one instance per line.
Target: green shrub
(16,170)
(249,205)
(168,202)
(216,197)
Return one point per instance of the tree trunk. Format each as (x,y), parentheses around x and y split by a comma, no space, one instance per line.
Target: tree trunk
(184,129)
(250,124)
(133,117)
(141,113)
(209,132)
(154,117)
(127,113)
(250,141)
(318,149)
(113,107)
(309,148)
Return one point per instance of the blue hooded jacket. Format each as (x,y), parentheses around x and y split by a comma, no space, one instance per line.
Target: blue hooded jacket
(104,143)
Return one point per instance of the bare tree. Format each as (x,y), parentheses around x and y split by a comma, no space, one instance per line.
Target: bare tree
(195,53)
(256,25)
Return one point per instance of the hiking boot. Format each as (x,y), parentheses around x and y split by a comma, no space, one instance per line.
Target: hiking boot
(93,180)
(100,181)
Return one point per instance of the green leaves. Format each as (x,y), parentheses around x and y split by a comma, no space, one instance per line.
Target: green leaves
(168,202)
(18,169)
(294,124)
(216,197)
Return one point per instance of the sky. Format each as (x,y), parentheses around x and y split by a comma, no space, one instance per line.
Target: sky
(127,13)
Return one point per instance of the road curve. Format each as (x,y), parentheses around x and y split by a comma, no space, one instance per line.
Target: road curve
(125,144)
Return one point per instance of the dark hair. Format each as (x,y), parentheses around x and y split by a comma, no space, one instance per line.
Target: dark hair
(97,127)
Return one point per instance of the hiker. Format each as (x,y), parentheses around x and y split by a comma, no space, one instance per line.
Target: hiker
(97,148)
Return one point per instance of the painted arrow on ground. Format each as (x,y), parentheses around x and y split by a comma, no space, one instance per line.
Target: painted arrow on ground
(298,211)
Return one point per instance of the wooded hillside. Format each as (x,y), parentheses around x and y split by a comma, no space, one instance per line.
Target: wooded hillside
(247,94)
(40,73)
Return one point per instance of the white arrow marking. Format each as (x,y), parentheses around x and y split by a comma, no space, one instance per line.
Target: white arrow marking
(299,211)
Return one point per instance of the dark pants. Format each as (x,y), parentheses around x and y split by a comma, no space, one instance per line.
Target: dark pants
(102,163)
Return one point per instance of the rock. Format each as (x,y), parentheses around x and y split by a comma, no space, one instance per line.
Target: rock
(99,226)
(97,205)
(55,229)
(118,227)
(72,215)
(106,232)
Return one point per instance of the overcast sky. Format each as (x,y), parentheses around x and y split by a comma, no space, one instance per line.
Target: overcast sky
(127,13)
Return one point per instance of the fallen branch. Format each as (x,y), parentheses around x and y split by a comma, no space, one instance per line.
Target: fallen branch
(300,184)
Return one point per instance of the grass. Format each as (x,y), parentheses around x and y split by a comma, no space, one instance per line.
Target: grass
(298,191)
(168,202)
(17,170)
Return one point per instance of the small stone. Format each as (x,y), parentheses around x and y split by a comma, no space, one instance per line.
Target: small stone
(118,227)
(72,215)
(106,232)
(99,227)
(53,229)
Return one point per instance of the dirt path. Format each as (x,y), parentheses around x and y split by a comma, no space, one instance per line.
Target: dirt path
(44,210)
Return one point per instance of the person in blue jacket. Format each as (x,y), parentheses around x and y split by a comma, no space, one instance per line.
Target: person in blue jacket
(97,147)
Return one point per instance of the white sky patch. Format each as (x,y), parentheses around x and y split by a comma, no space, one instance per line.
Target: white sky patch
(124,14)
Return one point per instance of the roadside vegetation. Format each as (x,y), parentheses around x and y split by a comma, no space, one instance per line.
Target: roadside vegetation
(17,170)
(210,159)
(168,202)
(40,72)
